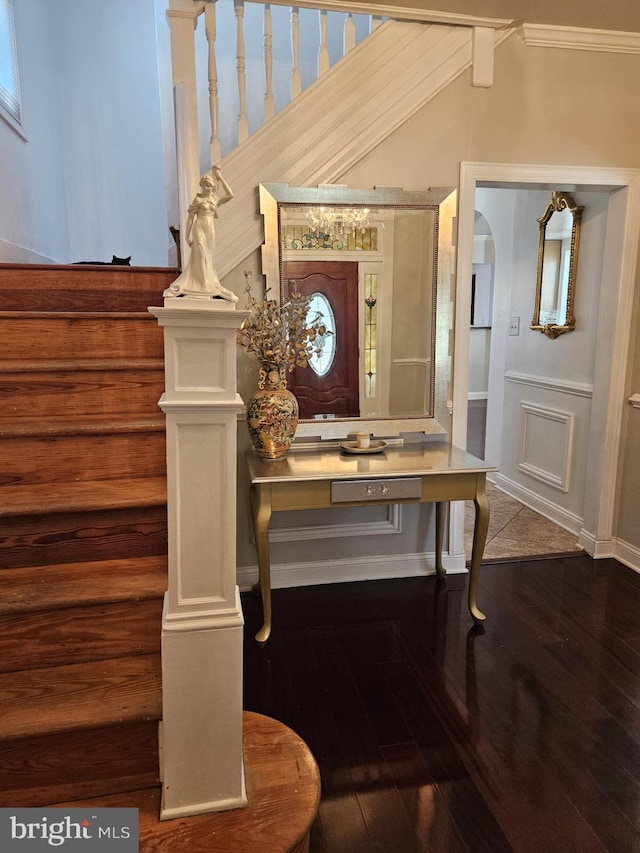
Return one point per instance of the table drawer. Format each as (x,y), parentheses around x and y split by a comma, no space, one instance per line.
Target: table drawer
(350,491)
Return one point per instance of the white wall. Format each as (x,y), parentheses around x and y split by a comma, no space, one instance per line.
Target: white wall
(33,220)
(89,180)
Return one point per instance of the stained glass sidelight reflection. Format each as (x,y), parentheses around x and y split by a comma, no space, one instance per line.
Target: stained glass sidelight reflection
(370,333)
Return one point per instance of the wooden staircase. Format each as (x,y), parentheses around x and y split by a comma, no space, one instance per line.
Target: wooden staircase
(82,531)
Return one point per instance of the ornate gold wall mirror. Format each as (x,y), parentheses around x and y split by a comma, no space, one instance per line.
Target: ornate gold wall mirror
(377,283)
(557,262)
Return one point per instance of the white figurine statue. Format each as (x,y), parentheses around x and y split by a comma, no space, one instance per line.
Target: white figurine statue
(199,278)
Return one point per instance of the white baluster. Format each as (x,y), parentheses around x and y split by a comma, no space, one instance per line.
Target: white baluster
(349,33)
(210,31)
(243,125)
(269,105)
(323,51)
(376,21)
(296,82)
(183,65)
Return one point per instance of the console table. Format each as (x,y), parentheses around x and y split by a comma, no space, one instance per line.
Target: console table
(430,472)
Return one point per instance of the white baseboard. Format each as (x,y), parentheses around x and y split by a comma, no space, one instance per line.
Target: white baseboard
(628,554)
(620,550)
(560,516)
(10,253)
(596,548)
(285,575)
(587,541)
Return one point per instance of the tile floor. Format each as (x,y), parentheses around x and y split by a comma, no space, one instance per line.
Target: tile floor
(517,531)
(514,529)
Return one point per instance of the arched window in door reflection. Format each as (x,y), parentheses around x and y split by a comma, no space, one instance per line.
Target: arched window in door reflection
(325,343)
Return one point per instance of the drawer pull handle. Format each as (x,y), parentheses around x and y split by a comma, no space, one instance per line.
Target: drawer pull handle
(389,490)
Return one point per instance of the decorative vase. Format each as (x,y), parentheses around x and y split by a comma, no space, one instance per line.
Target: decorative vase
(272,414)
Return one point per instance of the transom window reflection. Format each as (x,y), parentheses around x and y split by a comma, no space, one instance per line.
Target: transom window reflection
(325,342)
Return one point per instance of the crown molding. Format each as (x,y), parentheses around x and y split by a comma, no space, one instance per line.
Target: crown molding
(574,38)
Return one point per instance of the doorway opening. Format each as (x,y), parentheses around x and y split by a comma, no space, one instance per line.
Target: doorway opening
(549,390)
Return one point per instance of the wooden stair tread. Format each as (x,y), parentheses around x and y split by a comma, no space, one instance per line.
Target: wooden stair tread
(283,793)
(108,390)
(41,498)
(84,336)
(59,269)
(77,315)
(36,771)
(82,288)
(77,696)
(35,588)
(95,424)
(94,632)
(82,536)
(45,365)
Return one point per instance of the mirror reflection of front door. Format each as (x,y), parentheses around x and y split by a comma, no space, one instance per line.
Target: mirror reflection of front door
(334,392)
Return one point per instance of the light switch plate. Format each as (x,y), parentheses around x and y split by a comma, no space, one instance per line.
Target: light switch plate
(514,325)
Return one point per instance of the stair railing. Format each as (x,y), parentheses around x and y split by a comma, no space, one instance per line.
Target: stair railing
(246,33)
(200,140)
(253,71)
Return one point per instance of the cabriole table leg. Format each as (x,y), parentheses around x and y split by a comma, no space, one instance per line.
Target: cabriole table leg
(479,538)
(261,513)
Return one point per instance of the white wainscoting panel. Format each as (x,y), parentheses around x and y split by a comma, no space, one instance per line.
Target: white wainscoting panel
(546,443)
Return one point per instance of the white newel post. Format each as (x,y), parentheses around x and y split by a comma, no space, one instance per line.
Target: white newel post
(201,732)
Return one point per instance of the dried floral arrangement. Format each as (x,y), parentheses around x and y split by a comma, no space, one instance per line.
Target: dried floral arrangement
(280,336)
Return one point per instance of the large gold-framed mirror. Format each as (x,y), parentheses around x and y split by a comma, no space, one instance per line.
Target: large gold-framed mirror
(377,287)
(559,239)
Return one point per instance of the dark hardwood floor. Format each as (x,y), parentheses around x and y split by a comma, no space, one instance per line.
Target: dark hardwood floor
(431,734)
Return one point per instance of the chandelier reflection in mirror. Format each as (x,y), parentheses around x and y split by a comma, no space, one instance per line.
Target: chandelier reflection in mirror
(338,223)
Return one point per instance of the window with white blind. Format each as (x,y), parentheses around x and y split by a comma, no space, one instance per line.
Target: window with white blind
(9,80)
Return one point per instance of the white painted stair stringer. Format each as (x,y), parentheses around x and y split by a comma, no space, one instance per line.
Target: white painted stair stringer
(339,119)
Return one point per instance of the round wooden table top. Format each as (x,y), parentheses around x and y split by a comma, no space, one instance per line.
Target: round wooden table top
(283,792)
